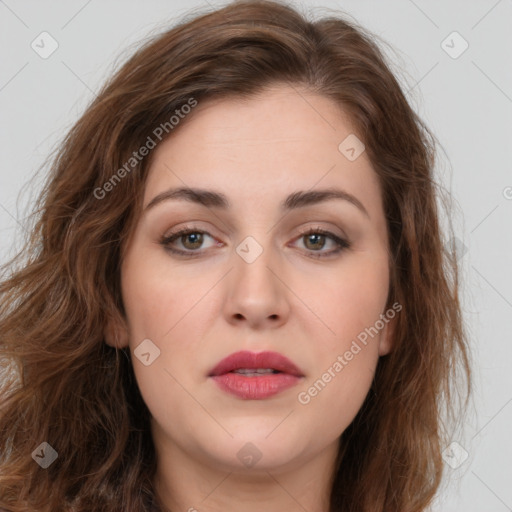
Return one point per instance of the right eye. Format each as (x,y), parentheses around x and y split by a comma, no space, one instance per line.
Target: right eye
(189,237)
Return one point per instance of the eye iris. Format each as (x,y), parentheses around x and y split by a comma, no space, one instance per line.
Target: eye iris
(316,238)
(195,244)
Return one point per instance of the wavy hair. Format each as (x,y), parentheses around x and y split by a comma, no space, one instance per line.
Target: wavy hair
(62,384)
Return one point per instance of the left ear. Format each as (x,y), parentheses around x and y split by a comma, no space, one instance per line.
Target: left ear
(387,337)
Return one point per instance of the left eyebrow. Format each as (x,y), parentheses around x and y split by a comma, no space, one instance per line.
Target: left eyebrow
(214,199)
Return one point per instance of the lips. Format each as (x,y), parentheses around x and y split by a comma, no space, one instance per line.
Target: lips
(246,360)
(255,376)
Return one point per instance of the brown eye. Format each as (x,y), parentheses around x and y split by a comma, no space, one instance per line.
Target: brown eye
(195,239)
(189,241)
(315,241)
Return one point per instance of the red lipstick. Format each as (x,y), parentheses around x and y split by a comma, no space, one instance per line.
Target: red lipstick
(255,376)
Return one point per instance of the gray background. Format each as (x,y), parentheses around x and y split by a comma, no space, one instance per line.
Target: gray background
(466,101)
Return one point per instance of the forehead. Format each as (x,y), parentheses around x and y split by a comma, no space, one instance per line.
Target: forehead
(281,140)
(278,115)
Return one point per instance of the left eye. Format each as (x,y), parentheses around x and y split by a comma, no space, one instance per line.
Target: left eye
(192,239)
(315,235)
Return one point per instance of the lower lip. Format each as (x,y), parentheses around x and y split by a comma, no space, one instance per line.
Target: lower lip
(255,388)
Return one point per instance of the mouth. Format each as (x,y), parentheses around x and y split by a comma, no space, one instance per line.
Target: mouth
(255,376)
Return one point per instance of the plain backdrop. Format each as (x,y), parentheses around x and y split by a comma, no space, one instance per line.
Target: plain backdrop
(464,95)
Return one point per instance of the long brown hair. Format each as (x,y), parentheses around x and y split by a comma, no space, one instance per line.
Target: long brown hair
(65,386)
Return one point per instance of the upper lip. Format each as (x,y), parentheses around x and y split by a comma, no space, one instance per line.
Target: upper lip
(246,359)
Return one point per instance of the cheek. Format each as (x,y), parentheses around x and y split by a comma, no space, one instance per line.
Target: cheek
(163,305)
(348,302)
(157,297)
(346,355)
(332,400)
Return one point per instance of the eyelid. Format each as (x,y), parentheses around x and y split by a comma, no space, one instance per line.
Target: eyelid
(319,229)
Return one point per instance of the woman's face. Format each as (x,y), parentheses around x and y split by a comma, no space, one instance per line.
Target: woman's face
(246,278)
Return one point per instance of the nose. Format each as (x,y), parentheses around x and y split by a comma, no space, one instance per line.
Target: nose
(257,292)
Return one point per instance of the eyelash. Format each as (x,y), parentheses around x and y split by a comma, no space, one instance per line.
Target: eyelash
(341,243)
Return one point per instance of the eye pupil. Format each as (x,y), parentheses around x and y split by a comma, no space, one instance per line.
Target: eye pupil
(195,244)
(316,238)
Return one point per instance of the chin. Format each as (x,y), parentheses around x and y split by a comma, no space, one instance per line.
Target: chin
(253,449)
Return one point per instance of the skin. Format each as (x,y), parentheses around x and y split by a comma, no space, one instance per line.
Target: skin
(199,310)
